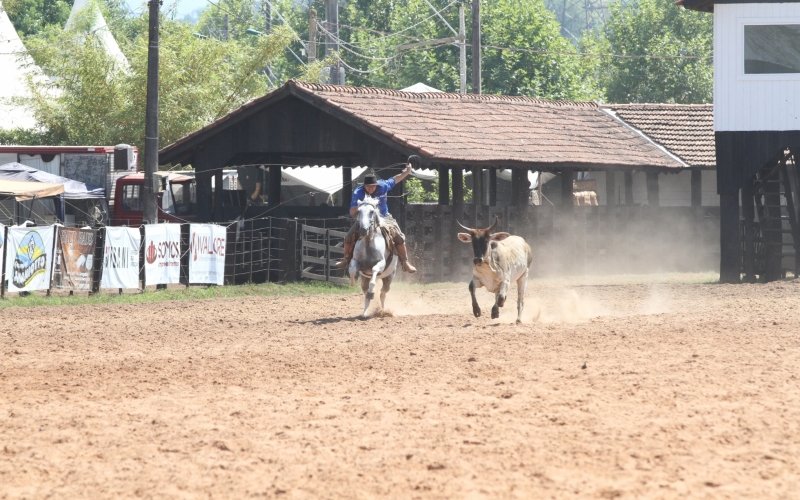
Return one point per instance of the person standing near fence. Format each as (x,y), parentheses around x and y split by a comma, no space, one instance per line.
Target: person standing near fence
(379,188)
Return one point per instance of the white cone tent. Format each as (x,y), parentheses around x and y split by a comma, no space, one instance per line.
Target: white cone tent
(98,27)
(16,65)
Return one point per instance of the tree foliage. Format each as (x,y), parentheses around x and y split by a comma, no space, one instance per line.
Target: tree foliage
(92,102)
(653,51)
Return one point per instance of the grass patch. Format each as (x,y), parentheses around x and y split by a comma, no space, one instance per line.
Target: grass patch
(38,299)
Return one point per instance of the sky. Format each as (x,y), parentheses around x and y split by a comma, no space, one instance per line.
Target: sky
(185,7)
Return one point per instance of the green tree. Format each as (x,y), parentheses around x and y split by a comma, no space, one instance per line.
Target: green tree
(32,16)
(523,50)
(652,51)
(200,80)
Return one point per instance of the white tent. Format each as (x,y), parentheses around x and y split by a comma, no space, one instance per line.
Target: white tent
(95,24)
(16,66)
(72,190)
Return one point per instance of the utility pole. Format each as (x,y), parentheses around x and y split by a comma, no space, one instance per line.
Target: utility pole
(312,36)
(462,49)
(332,44)
(150,209)
(476,46)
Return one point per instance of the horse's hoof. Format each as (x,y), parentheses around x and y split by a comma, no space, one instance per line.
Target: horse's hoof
(495,313)
(477,313)
(370,295)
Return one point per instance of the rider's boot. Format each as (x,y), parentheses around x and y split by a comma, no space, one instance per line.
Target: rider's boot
(402,254)
(348,254)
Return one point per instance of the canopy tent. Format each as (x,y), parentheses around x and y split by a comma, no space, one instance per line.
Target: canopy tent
(70,202)
(28,190)
(72,190)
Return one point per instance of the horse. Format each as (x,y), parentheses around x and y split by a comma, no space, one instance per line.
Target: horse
(372,257)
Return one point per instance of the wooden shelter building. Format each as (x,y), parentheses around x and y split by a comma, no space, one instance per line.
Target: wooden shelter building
(757,135)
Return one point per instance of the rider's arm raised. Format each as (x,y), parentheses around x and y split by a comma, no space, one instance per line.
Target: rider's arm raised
(402,175)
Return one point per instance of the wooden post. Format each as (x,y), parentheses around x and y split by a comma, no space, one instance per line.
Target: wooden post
(567,180)
(729,237)
(629,188)
(748,214)
(274,189)
(444,186)
(492,187)
(218,211)
(347,186)
(519,187)
(697,188)
(652,189)
(611,188)
(458,191)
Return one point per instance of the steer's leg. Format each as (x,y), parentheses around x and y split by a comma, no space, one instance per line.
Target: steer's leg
(476,309)
(500,298)
(522,285)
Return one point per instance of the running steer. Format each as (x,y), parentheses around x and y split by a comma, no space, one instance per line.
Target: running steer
(499,259)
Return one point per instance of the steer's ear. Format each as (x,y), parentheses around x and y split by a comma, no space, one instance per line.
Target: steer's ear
(465,237)
(499,236)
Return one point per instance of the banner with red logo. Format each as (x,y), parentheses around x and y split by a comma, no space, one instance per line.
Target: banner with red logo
(121,258)
(206,254)
(29,258)
(162,254)
(76,260)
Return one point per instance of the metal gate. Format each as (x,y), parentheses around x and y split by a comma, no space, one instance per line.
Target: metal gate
(320,249)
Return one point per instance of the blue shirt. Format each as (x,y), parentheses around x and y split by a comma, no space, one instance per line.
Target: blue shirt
(384,186)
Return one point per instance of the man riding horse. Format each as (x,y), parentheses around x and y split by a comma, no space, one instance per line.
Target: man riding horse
(379,188)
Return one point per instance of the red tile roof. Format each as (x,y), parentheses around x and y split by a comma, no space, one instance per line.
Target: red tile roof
(686,130)
(470,129)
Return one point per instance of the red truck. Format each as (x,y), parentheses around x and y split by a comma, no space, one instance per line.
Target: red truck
(176,198)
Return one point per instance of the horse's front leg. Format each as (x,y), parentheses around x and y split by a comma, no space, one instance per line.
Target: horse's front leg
(387,284)
(377,269)
(365,287)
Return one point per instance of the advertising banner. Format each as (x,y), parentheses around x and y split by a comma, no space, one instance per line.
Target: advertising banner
(121,258)
(76,258)
(162,254)
(29,258)
(206,254)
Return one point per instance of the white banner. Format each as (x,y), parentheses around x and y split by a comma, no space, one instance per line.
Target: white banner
(29,258)
(121,258)
(206,254)
(162,254)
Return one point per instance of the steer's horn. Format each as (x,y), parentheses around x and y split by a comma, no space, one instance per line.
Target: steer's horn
(489,229)
(462,225)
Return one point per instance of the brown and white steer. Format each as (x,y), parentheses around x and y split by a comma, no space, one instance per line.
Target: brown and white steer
(499,259)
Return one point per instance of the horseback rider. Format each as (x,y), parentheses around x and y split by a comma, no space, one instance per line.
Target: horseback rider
(379,188)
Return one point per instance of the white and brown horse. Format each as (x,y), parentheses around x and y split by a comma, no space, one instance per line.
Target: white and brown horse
(372,256)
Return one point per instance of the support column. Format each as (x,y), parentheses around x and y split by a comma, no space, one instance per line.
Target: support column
(274,189)
(347,186)
(629,188)
(458,187)
(652,189)
(492,187)
(219,212)
(729,237)
(749,215)
(611,188)
(697,188)
(444,186)
(567,180)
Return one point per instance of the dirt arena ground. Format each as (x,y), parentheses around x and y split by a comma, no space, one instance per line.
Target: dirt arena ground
(633,389)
